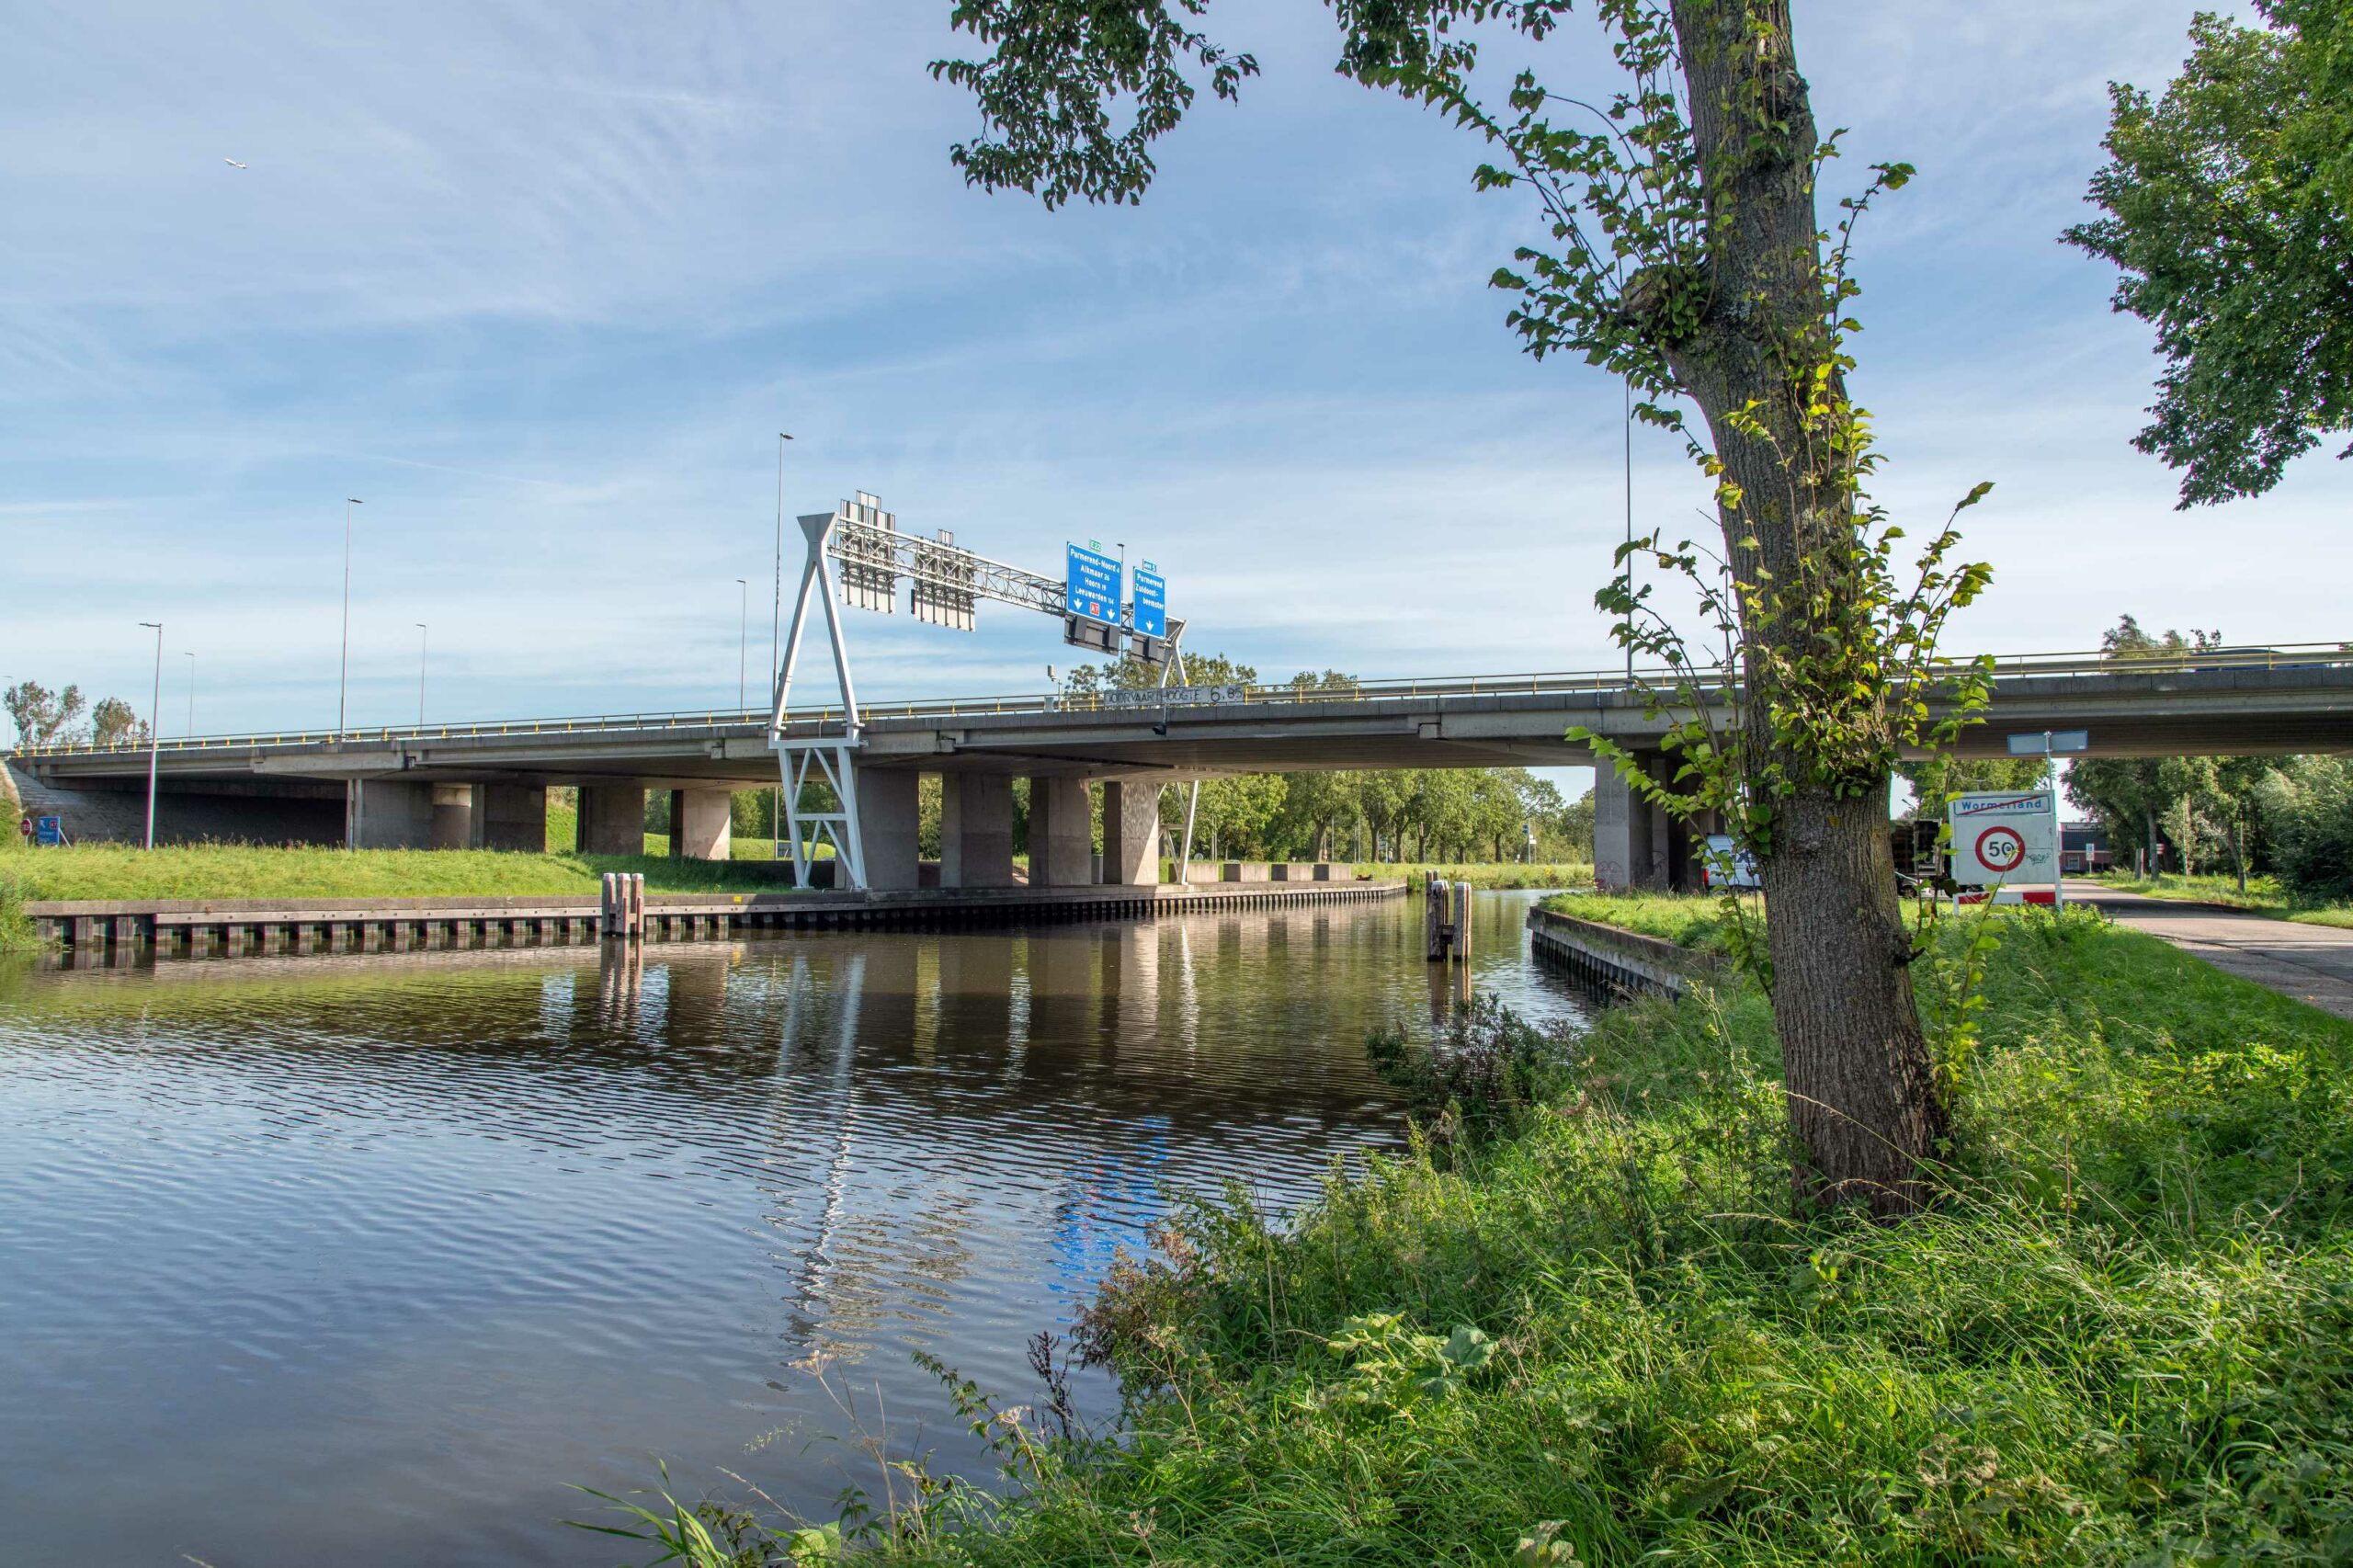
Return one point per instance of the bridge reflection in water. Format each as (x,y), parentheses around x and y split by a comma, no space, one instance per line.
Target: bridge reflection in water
(363,1258)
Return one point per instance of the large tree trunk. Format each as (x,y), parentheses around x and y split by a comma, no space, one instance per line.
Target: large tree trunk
(1863,1105)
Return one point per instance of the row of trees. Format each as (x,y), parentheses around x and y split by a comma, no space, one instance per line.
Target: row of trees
(2292,815)
(43,717)
(1379,814)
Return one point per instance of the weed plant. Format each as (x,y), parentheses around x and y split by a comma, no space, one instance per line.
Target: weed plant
(1606,1336)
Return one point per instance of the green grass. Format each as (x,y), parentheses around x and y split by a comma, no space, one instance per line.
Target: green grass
(2264,895)
(2125,1335)
(1688,920)
(220,871)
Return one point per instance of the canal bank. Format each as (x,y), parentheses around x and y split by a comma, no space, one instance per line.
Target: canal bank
(90,930)
(1612,1337)
(367,1258)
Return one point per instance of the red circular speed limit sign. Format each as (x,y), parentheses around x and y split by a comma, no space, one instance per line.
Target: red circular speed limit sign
(2000,848)
(25,827)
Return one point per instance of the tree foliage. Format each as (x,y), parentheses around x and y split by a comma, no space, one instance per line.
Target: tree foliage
(42,717)
(2229,204)
(1447,815)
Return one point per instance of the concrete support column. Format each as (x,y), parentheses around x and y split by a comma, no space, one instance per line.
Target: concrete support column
(701,827)
(1623,853)
(388,813)
(976,830)
(1131,833)
(887,823)
(453,816)
(1062,833)
(510,816)
(612,819)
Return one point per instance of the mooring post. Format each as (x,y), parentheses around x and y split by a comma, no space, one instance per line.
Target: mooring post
(1433,919)
(1461,925)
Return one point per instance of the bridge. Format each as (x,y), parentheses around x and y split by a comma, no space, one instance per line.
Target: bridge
(484,785)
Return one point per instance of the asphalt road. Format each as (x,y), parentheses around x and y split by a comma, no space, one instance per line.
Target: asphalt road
(2312,963)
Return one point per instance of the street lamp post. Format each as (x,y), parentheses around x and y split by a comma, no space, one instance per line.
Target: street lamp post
(155,727)
(423,635)
(743,649)
(342,675)
(775,647)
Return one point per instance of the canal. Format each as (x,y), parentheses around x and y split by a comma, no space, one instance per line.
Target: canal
(363,1260)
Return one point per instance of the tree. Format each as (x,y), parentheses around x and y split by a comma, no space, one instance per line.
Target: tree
(1682,250)
(2230,212)
(1935,780)
(2195,804)
(113,722)
(42,717)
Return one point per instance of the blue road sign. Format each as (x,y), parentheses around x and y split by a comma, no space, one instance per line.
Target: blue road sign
(48,830)
(1151,601)
(1091,586)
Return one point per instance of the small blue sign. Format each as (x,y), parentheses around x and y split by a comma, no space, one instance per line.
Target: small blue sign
(48,830)
(1151,601)
(1091,587)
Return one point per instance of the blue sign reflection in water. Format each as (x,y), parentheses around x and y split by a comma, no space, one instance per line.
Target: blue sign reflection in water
(363,1260)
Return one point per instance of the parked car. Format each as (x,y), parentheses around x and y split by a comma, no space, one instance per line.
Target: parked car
(1723,864)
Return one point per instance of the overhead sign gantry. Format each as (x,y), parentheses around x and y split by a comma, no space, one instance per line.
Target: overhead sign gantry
(945,584)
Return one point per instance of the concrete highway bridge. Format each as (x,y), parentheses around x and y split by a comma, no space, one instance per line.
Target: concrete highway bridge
(484,784)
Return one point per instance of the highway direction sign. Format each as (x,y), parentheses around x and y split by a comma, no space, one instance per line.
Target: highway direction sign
(1151,602)
(1091,586)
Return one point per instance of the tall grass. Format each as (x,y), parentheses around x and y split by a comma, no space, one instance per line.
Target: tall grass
(2125,1334)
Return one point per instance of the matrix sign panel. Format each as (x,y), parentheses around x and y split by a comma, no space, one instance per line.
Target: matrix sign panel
(1151,601)
(2004,838)
(1091,586)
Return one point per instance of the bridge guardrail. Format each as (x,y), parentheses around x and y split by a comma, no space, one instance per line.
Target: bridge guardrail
(2009,668)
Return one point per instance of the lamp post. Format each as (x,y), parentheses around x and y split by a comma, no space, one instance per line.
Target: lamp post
(191,657)
(743,649)
(776,648)
(1629,523)
(343,674)
(155,727)
(423,635)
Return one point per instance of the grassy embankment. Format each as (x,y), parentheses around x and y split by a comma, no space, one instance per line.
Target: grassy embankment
(1607,1336)
(2264,895)
(228,870)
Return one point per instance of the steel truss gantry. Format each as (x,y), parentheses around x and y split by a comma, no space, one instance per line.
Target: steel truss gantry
(946,581)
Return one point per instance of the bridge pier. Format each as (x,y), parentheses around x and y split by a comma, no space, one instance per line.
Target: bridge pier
(888,823)
(1635,844)
(1630,848)
(1062,833)
(387,814)
(507,816)
(612,819)
(702,824)
(453,816)
(1131,832)
(976,830)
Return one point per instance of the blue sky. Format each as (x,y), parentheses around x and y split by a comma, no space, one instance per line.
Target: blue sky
(541,283)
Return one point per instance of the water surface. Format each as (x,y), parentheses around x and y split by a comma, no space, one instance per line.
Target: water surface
(361,1259)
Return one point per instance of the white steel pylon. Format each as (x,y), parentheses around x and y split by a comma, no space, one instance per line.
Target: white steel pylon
(830,754)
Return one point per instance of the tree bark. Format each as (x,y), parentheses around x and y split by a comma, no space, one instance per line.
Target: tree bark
(1863,1105)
